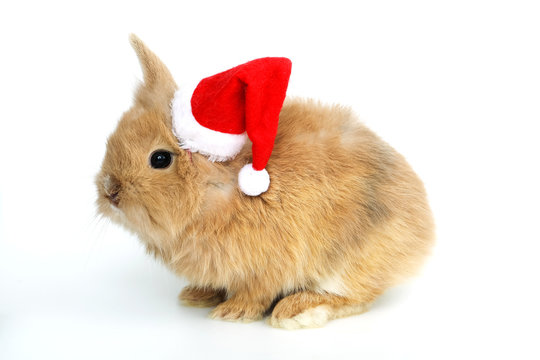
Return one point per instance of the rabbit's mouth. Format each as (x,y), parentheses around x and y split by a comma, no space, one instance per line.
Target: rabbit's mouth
(114,198)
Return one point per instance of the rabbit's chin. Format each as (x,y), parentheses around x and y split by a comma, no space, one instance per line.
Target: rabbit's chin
(115,215)
(133,218)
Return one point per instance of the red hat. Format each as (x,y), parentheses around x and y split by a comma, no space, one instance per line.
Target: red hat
(225,109)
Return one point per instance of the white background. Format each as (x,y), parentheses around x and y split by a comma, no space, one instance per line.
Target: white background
(454,86)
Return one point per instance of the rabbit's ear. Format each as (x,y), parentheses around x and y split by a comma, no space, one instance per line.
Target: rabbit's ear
(159,86)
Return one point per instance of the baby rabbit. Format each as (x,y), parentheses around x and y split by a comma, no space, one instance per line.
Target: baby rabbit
(344,216)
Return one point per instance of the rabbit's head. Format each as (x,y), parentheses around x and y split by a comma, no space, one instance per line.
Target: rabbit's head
(146,182)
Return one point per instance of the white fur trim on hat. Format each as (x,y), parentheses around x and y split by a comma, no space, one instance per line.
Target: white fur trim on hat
(193,136)
(253,182)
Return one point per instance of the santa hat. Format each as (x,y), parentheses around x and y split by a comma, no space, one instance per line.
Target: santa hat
(223,110)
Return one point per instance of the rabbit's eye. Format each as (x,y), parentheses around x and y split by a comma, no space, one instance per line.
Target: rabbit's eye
(160,159)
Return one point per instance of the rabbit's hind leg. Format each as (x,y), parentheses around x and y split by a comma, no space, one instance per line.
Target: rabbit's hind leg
(308,309)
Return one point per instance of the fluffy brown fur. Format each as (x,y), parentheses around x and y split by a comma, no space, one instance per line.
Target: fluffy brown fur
(345,216)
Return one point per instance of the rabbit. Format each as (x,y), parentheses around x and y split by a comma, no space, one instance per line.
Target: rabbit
(345,216)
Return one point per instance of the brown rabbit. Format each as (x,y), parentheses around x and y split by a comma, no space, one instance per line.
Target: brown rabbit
(345,216)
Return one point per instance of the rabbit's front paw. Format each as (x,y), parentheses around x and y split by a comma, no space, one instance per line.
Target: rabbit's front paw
(236,309)
(201,297)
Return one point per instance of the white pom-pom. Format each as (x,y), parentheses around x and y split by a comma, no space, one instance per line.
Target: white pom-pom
(253,182)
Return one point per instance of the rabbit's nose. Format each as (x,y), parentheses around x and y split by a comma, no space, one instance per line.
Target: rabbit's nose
(112,189)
